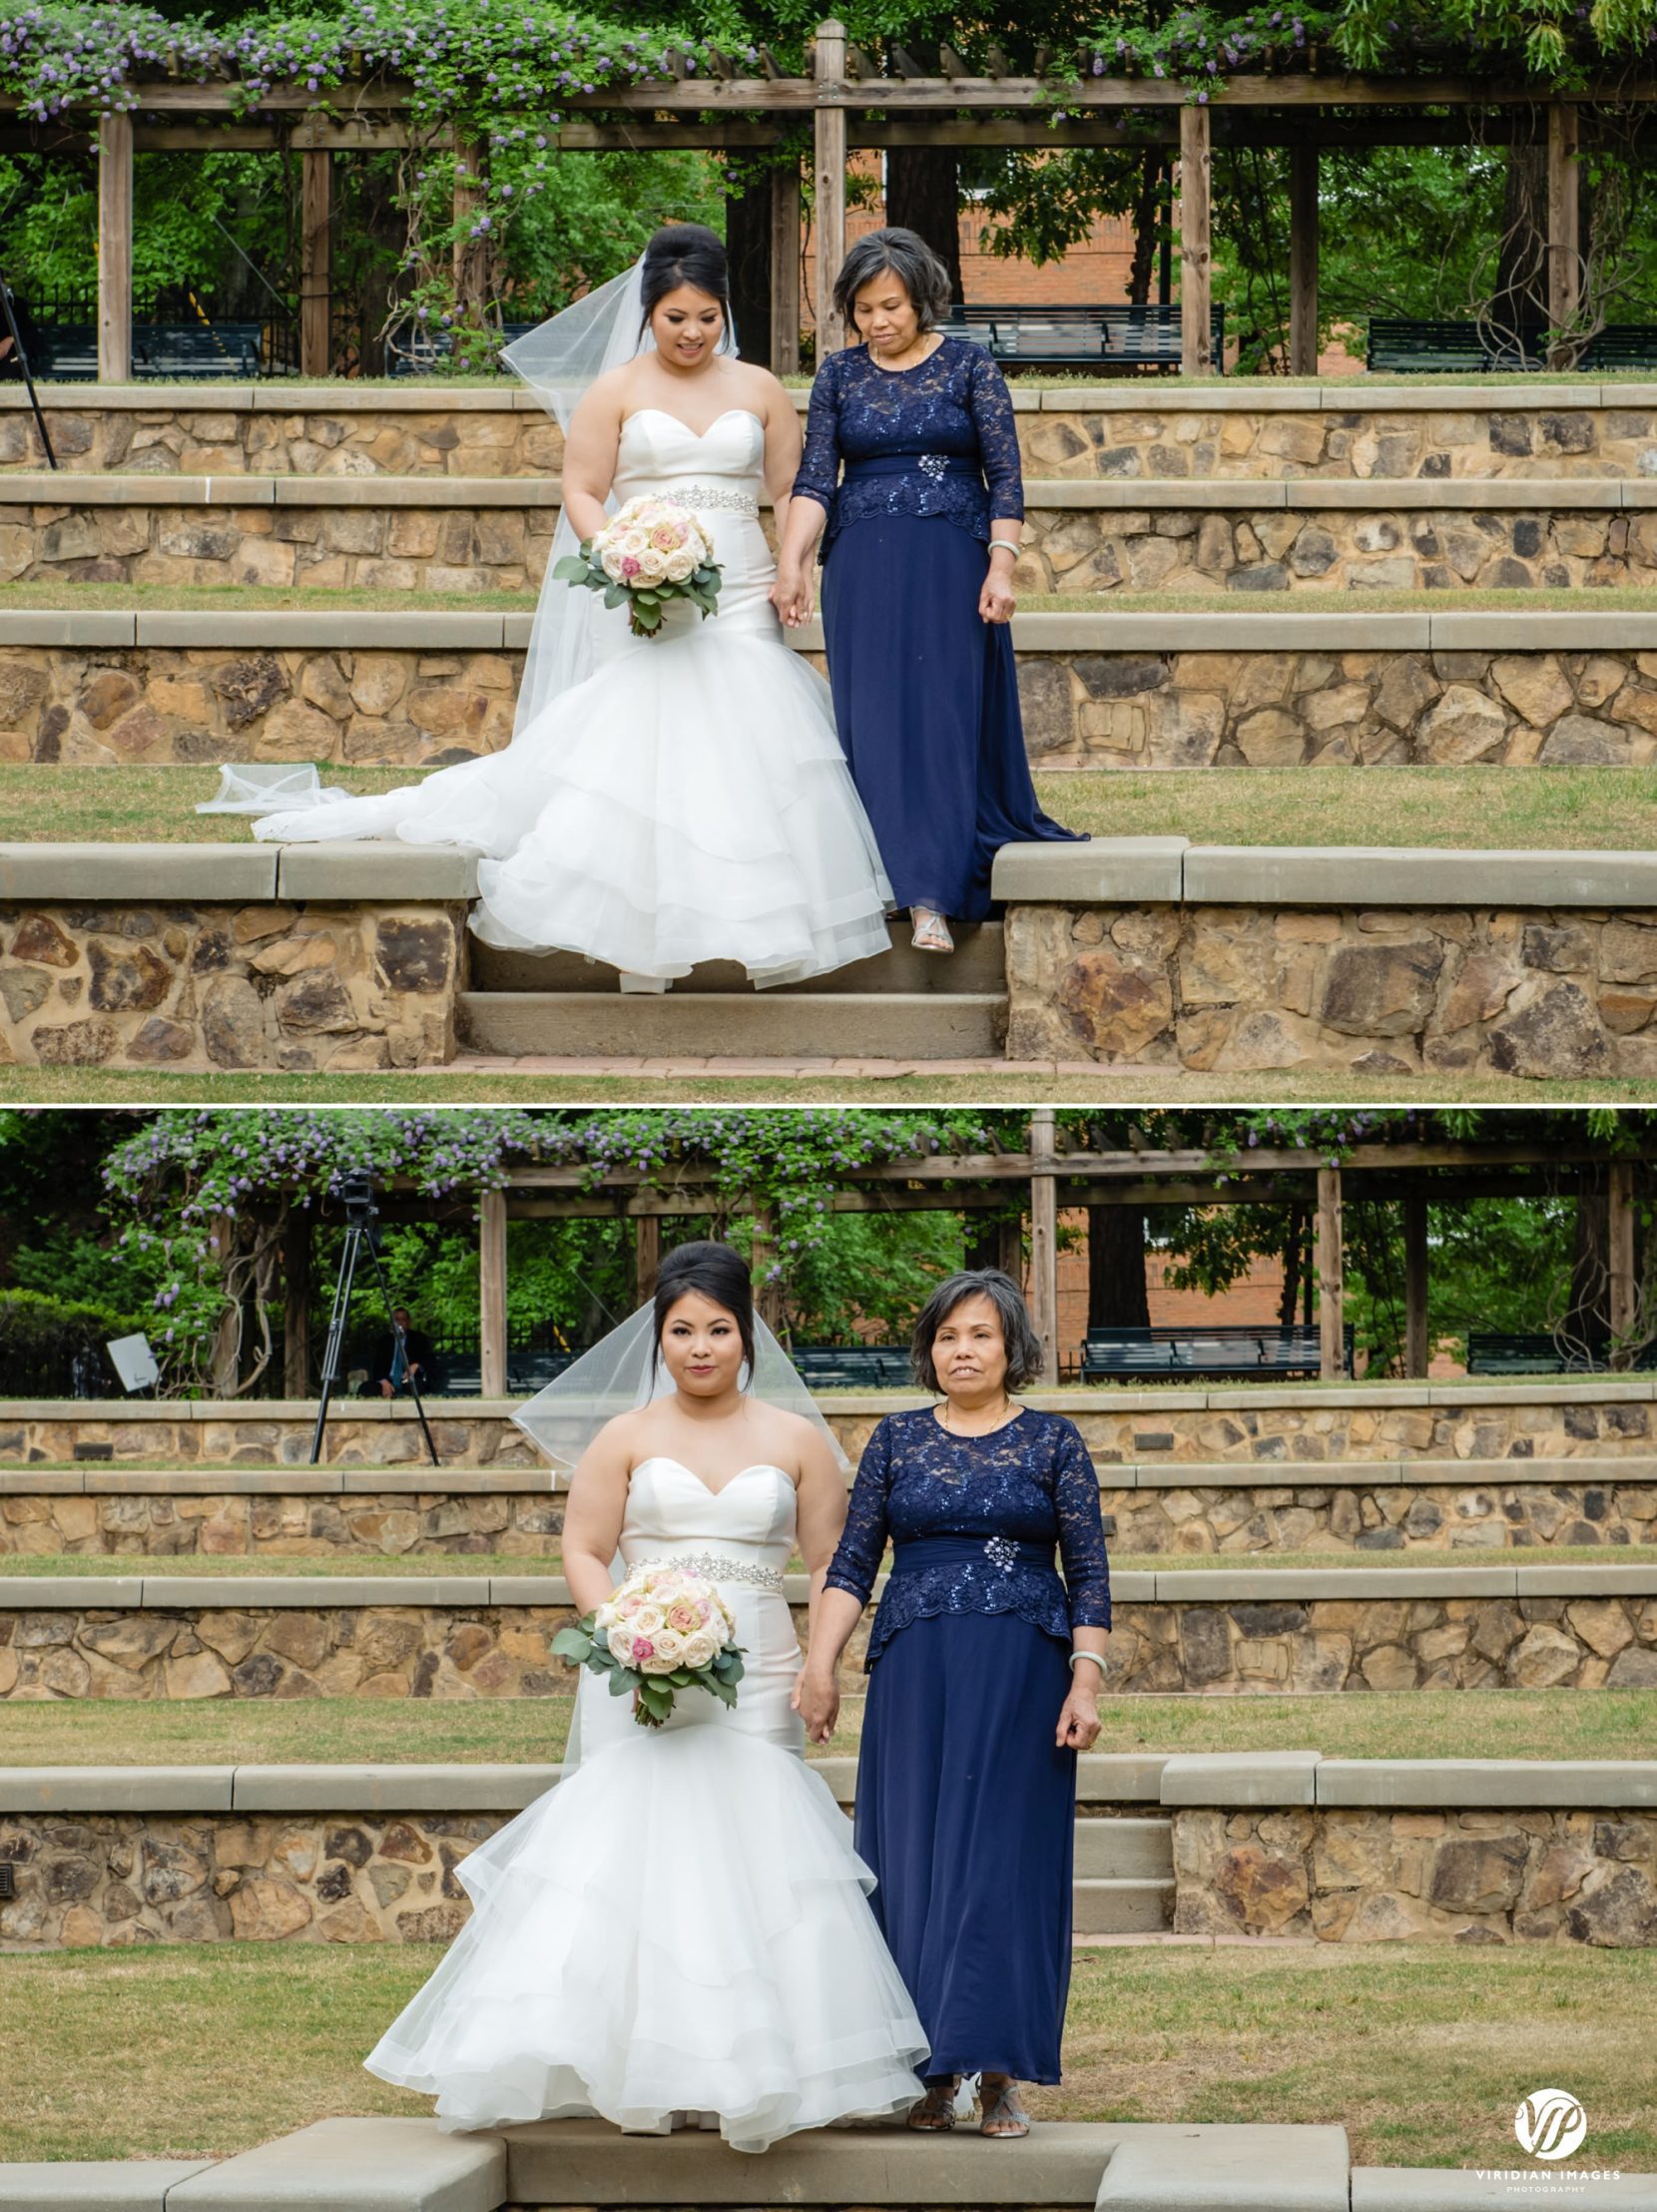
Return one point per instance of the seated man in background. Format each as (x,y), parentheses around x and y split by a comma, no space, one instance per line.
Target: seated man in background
(403,1357)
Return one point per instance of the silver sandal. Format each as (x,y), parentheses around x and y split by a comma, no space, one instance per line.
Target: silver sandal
(931,930)
(999,2106)
(935,2113)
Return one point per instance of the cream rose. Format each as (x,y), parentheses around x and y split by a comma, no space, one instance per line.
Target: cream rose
(680,567)
(700,1649)
(652,565)
(669,1652)
(620,1642)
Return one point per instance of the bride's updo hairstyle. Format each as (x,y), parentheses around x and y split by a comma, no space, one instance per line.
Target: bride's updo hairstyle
(684,254)
(715,1273)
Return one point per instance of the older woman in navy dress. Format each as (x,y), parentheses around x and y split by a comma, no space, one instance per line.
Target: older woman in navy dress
(920,540)
(983,1669)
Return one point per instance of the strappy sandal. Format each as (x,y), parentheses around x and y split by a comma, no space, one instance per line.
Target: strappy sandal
(937,2110)
(931,930)
(1002,2117)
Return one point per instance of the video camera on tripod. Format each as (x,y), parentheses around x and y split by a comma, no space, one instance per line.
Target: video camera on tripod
(357,1195)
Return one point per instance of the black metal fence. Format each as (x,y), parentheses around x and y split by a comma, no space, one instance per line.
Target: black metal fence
(179,333)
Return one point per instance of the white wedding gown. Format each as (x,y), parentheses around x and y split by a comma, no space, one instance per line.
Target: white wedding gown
(681,1925)
(690,801)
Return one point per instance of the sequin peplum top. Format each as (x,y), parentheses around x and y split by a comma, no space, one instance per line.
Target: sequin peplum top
(974,1522)
(937,439)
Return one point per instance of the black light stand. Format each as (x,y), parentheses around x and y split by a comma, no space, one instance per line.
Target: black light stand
(362,1235)
(28,373)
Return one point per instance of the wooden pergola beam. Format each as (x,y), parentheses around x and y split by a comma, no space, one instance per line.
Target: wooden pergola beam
(491,1287)
(315,262)
(1331,1276)
(784,269)
(1564,267)
(1044,1244)
(1303,257)
(114,250)
(828,180)
(1196,241)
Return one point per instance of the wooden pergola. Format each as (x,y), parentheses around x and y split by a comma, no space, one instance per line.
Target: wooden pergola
(1032,1188)
(854,101)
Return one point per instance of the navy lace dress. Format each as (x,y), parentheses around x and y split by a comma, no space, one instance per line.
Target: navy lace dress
(965,1806)
(925,691)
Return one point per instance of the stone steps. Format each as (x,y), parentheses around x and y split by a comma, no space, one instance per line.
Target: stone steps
(977,964)
(930,1025)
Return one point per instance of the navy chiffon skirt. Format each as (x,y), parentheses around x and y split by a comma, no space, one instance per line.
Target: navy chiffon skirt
(927,705)
(965,1814)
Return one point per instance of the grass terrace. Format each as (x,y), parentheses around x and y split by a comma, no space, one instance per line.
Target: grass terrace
(1580,809)
(1422,2055)
(1345,1724)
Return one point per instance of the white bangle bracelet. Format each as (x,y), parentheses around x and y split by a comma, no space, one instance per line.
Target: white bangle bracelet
(1007,543)
(1096,1657)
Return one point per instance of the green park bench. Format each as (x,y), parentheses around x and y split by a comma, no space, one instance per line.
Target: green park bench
(1110,338)
(1233,1350)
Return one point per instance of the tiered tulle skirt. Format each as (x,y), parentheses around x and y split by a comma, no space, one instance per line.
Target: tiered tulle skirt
(679,1926)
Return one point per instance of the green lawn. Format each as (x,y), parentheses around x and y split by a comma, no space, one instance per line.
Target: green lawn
(1347,1724)
(1421,2053)
(1135,1562)
(1585,808)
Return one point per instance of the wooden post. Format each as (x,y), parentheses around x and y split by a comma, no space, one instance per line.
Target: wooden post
(829,175)
(471,255)
(315,262)
(1044,1244)
(1620,1259)
(296,1306)
(1417,1348)
(114,250)
(1303,257)
(1332,1316)
(1196,287)
(1564,267)
(491,1291)
(647,1254)
(768,1291)
(1009,1255)
(785,271)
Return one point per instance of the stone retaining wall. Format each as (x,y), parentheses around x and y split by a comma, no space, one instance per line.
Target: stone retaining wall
(154,704)
(1577,428)
(1243,709)
(1217,1648)
(1337,1517)
(1380,547)
(1324,1874)
(196,986)
(1277,1427)
(442,548)
(1082,709)
(1360,1876)
(1529,992)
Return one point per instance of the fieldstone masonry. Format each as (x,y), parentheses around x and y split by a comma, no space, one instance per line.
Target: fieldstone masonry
(1392,991)
(1345,1875)
(1216,1647)
(268,985)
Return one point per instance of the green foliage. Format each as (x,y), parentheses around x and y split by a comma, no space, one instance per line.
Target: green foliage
(37,1331)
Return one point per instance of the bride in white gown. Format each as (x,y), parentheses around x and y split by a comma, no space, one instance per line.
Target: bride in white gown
(680,1927)
(676,799)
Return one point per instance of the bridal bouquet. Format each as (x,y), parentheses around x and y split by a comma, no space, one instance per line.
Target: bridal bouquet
(648,554)
(662,1631)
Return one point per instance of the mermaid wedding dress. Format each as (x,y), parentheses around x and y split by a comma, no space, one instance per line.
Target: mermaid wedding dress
(688,800)
(680,1926)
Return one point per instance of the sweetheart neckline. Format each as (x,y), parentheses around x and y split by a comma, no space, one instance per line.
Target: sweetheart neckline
(699,435)
(758,1466)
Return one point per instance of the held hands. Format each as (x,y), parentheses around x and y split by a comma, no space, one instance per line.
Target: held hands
(1078,1727)
(790,594)
(817,1699)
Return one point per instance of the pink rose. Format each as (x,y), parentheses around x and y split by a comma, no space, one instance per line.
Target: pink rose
(686,1618)
(629,566)
(643,1649)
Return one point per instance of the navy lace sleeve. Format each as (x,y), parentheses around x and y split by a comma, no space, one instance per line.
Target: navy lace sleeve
(997,428)
(1081,1531)
(819,473)
(863,1543)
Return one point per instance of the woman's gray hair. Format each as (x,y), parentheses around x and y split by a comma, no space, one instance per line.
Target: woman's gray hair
(1017,1330)
(910,259)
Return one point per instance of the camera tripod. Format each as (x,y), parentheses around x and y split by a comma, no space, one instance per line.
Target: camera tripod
(28,373)
(362,1235)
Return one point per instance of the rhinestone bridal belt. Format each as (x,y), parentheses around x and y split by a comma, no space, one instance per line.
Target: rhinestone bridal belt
(713,495)
(719,1566)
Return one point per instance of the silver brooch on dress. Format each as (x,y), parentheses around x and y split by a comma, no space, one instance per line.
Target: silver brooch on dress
(934,465)
(1002,1552)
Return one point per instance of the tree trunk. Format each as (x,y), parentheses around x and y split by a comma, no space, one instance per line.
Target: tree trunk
(1520,294)
(1293,1265)
(748,248)
(1116,1295)
(1147,226)
(1587,1321)
(923,192)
